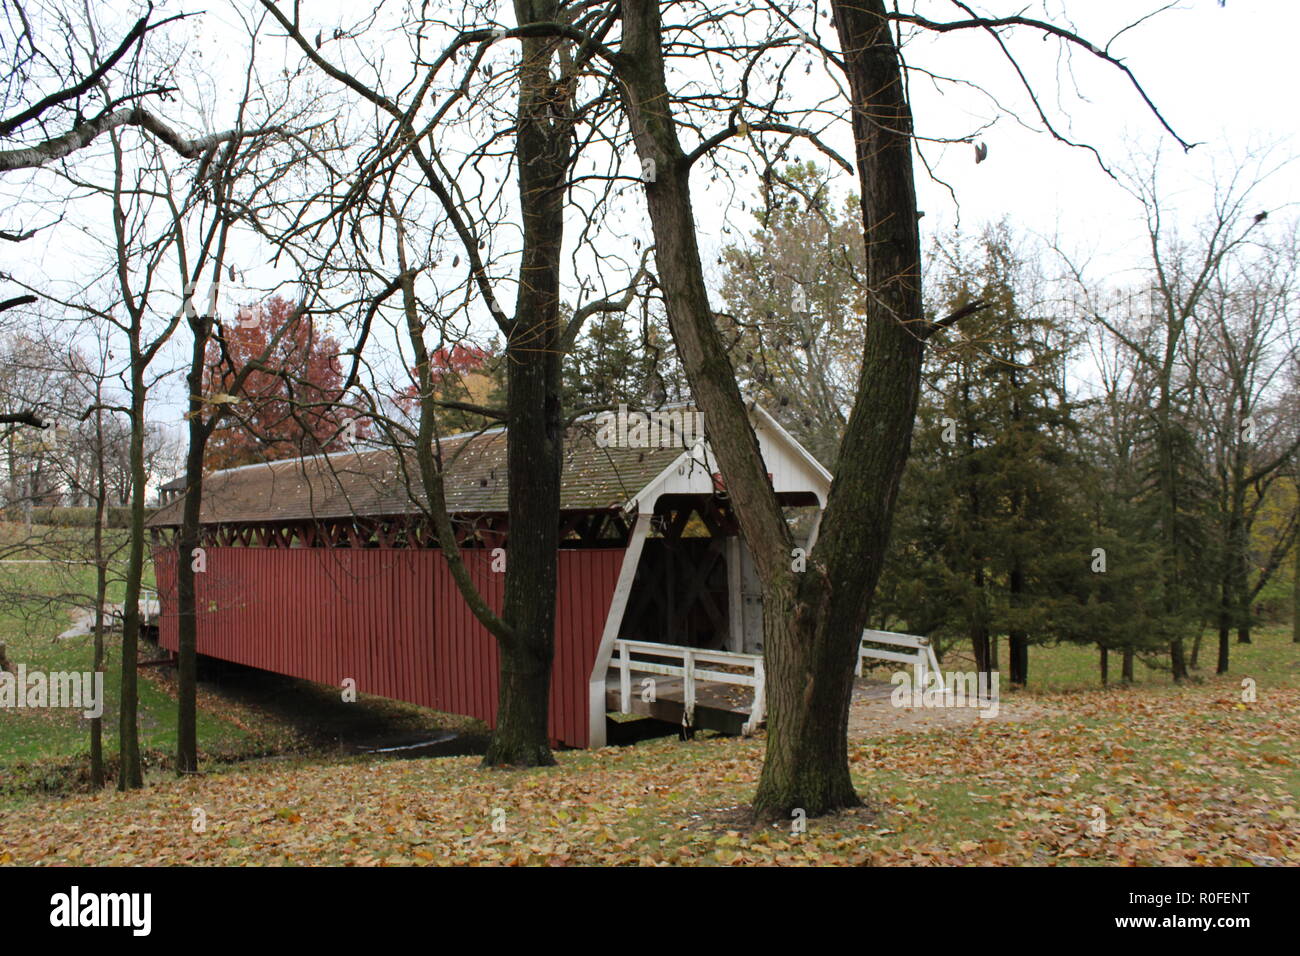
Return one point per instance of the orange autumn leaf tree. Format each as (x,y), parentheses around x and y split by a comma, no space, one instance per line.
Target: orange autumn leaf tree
(296,405)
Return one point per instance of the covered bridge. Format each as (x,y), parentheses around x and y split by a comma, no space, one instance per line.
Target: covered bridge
(323,568)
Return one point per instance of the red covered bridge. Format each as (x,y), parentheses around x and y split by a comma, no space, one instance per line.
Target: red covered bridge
(323,568)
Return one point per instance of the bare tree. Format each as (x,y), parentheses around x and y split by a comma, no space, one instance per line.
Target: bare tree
(1249,347)
(1168,343)
(812,620)
(46,95)
(551,106)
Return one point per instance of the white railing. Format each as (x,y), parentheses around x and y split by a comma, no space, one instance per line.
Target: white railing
(921,656)
(690,671)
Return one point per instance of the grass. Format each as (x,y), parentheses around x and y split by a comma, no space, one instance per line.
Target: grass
(1190,774)
(47,750)
(38,600)
(1186,775)
(1056,668)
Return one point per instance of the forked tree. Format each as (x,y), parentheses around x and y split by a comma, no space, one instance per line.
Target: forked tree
(813,618)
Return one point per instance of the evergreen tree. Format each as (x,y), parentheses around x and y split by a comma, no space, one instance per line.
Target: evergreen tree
(611,365)
(989,515)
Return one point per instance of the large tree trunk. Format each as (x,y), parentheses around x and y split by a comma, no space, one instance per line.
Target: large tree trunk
(1105,665)
(810,686)
(1126,673)
(187,541)
(877,439)
(101,593)
(535,437)
(535,432)
(520,737)
(813,620)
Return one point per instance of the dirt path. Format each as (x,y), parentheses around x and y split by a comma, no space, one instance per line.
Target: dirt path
(872,713)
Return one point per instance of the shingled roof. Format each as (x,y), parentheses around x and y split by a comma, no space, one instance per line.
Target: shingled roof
(374,483)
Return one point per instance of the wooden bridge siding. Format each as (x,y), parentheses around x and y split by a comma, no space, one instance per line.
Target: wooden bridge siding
(390,618)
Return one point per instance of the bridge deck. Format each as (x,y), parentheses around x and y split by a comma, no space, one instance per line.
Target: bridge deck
(718,706)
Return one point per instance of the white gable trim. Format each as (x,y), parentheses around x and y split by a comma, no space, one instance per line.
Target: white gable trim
(800,452)
(772,439)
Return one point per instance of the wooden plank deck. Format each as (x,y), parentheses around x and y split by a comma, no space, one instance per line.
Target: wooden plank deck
(718,706)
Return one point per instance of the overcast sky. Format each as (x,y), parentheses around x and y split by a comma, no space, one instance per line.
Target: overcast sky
(1223,77)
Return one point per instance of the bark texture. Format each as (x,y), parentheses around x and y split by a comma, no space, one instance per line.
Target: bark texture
(812,620)
(535,435)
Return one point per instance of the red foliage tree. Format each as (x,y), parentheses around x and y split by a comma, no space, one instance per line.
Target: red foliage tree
(457,361)
(460,373)
(449,368)
(296,405)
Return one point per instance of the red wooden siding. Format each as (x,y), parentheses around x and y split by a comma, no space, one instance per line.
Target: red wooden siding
(390,618)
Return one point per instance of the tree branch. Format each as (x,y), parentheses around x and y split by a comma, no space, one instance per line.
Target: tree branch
(952,318)
(16,301)
(23,418)
(82,135)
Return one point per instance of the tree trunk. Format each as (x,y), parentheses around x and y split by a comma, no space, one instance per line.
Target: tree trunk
(805,769)
(520,736)
(534,454)
(813,619)
(1105,666)
(1168,485)
(981,641)
(1225,644)
(1018,658)
(130,774)
(810,686)
(1126,674)
(1241,588)
(1295,595)
(1017,641)
(187,542)
(535,433)
(982,648)
(1177,660)
(101,592)
(1239,553)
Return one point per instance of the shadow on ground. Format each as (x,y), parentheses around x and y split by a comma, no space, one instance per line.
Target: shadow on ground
(317,715)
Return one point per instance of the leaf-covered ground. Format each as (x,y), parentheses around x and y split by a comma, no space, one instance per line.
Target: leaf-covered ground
(1146,776)
(242,713)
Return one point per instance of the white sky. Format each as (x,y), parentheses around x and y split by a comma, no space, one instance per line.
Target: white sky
(1222,76)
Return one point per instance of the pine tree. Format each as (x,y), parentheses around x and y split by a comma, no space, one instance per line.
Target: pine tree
(988,506)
